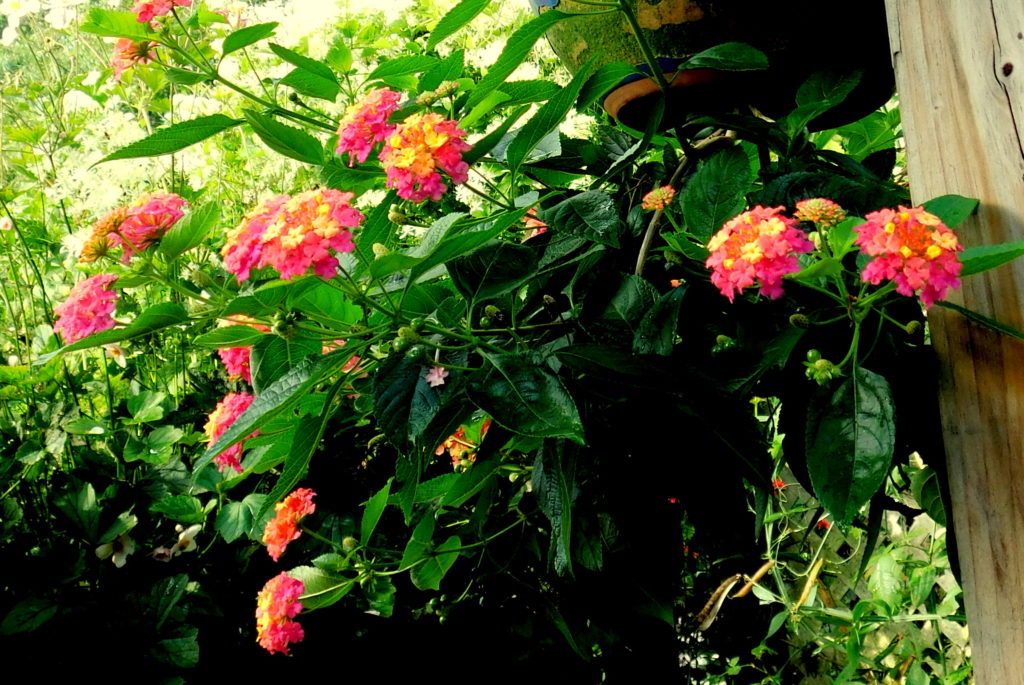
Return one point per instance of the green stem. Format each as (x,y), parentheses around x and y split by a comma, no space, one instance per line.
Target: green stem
(645,47)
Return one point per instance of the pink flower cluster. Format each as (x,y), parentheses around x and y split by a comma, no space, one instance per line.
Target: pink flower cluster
(283,528)
(227,411)
(534,226)
(819,210)
(236,359)
(88,308)
(293,234)
(276,605)
(128,53)
(366,123)
(135,227)
(147,11)
(421,145)
(659,198)
(912,248)
(757,247)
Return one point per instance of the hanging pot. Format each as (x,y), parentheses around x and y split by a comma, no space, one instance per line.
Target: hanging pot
(799,37)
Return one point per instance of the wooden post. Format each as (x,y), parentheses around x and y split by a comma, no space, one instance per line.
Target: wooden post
(960,77)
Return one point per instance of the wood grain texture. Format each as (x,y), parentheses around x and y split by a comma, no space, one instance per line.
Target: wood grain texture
(960,75)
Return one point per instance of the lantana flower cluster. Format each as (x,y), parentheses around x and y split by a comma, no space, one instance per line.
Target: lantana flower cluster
(416,150)
(293,234)
(276,605)
(220,419)
(128,53)
(149,11)
(283,528)
(237,359)
(912,248)
(759,246)
(88,308)
(135,227)
(659,198)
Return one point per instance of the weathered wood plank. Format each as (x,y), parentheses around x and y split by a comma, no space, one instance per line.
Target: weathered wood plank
(960,75)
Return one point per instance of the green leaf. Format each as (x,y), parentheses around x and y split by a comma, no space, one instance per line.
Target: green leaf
(484,107)
(155,318)
(449,69)
(281,395)
(952,209)
(85,426)
(148,406)
(455,19)
(884,581)
(552,486)
(339,57)
(986,321)
(27,615)
(233,521)
(272,356)
(820,268)
(492,270)
(820,93)
(286,140)
(728,57)
(491,140)
(190,231)
(927,491)
(244,37)
(428,575)
(657,330)
(547,118)
(356,179)
(117,25)
(181,651)
(312,66)
(524,396)
(621,318)
(308,83)
(165,141)
(380,594)
(322,589)
(377,228)
(185,77)
(419,542)
(982,258)
(372,513)
(515,51)
(404,403)
(716,192)
(591,215)
(230,336)
(601,81)
(469,483)
(323,303)
(850,437)
(401,66)
(80,506)
(182,508)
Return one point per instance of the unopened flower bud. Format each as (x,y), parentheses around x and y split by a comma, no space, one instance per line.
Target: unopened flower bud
(408,334)
(379,250)
(349,543)
(800,321)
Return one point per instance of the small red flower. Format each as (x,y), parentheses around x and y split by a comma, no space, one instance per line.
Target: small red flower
(822,524)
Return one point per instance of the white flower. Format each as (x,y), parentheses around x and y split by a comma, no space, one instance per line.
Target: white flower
(187,539)
(9,35)
(16,9)
(117,549)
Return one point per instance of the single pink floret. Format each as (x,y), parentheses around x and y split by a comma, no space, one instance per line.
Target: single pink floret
(436,376)
(88,308)
(759,246)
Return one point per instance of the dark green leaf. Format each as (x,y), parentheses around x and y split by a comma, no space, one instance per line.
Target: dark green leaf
(183,77)
(355,179)
(182,508)
(547,118)
(230,336)
(181,651)
(591,215)
(449,69)
(419,542)
(492,270)
(312,66)
(728,57)
(153,319)
(117,25)
(304,443)
(27,615)
(552,486)
(927,491)
(190,231)
(716,192)
(850,437)
(455,19)
(404,402)
(470,482)
(952,209)
(372,513)
(84,426)
(601,81)
(272,356)
(525,397)
(281,395)
(982,258)
(491,140)
(657,330)
(820,93)
(80,506)
(515,51)
(286,140)
(233,521)
(148,406)
(400,66)
(246,36)
(621,317)
(986,321)
(428,575)
(165,141)
(322,589)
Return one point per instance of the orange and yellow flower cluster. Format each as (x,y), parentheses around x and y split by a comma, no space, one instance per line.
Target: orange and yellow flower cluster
(134,228)
(283,528)
(912,248)
(421,145)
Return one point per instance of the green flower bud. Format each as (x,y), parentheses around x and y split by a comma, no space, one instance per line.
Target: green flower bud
(407,333)
(800,321)
(813,355)
(349,543)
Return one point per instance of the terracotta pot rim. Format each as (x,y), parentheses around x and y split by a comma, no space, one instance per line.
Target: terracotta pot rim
(628,92)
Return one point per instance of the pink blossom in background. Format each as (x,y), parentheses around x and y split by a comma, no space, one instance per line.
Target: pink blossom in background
(366,123)
(88,308)
(128,53)
(659,198)
(220,419)
(148,219)
(819,210)
(419,147)
(148,11)
(276,605)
